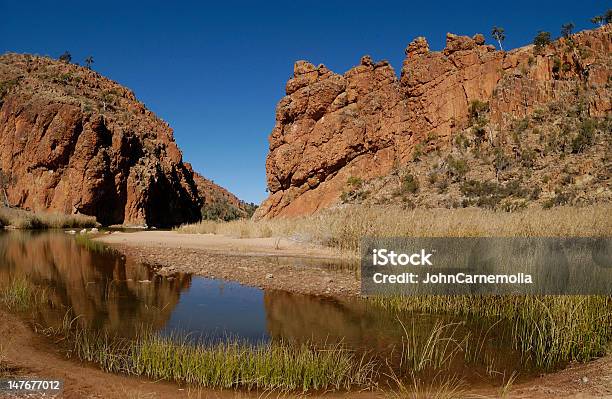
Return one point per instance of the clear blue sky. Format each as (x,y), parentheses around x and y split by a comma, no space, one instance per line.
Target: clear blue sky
(215,72)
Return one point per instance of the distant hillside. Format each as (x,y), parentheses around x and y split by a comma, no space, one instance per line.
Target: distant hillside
(219,203)
(72,141)
(466,126)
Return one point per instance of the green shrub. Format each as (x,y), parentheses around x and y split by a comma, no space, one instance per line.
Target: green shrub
(458,168)
(461,141)
(221,209)
(477,111)
(488,194)
(410,184)
(501,162)
(560,198)
(6,86)
(528,157)
(417,152)
(556,65)
(585,136)
(354,182)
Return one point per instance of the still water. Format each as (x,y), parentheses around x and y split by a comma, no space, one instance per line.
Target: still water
(116,294)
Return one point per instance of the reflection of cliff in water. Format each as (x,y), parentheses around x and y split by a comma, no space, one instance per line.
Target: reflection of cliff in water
(352,321)
(369,329)
(109,291)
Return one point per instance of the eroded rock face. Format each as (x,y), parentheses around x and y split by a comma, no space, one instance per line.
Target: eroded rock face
(73,141)
(366,122)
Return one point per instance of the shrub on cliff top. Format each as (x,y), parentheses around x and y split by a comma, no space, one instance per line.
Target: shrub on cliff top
(541,40)
(65,57)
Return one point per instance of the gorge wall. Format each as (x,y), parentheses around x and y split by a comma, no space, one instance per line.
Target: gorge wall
(368,122)
(72,141)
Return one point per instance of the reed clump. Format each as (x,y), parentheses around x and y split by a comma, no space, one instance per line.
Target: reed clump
(547,330)
(92,245)
(21,219)
(20,295)
(343,228)
(229,364)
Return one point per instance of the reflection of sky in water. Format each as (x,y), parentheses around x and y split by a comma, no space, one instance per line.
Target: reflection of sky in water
(215,309)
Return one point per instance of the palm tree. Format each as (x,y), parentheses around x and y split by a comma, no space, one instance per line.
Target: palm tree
(498,34)
(88,61)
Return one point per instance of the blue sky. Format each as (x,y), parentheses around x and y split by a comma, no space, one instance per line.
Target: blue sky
(215,72)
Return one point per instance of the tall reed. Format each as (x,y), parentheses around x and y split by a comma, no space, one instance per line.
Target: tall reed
(547,330)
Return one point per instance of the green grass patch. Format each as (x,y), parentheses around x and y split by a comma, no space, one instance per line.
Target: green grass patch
(94,246)
(232,364)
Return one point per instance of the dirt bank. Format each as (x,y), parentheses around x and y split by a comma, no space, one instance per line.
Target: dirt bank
(271,263)
(23,353)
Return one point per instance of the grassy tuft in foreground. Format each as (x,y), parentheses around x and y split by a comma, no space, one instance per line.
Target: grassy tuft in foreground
(547,330)
(21,219)
(343,228)
(232,364)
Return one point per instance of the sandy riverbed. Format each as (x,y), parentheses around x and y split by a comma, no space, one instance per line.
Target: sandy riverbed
(220,244)
(270,263)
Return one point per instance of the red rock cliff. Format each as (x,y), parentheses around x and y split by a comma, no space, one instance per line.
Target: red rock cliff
(73,141)
(366,122)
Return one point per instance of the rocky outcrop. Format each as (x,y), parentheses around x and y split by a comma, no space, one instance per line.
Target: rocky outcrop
(72,141)
(367,122)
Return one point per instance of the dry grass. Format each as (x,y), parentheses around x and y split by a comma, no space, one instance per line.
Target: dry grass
(343,228)
(22,219)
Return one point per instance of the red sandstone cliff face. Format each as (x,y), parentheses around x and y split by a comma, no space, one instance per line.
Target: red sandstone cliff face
(75,142)
(368,122)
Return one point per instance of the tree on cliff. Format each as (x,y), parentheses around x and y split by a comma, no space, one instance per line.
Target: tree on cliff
(66,57)
(498,34)
(598,20)
(88,61)
(541,40)
(567,29)
(603,19)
